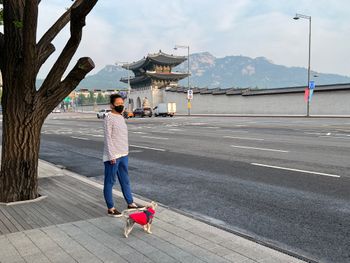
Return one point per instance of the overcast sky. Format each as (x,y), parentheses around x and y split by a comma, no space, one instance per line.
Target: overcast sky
(126,30)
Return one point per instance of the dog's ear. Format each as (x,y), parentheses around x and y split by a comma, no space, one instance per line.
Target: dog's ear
(154,204)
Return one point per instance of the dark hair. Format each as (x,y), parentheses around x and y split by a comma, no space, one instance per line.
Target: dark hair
(113,97)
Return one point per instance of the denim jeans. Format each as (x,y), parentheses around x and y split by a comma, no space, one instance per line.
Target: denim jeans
(120,170)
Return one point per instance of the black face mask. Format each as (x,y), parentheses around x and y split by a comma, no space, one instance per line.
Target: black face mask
(119,108)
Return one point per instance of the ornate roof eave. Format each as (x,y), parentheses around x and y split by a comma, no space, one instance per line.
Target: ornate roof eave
(165,59)
(167,76)
(135,80)
(157,58)
(135,65)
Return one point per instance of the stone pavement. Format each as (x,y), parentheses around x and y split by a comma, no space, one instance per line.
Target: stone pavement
(70,225)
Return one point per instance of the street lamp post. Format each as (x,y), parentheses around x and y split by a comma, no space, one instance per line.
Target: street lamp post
(298,16)
(188,72)
(119,63)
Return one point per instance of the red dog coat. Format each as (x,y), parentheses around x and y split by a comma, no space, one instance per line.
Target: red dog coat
(144,217)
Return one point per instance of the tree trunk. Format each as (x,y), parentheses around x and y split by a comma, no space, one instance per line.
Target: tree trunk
(19,164)
(24,107)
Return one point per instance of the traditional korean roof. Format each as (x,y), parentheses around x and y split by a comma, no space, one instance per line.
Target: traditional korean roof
(136,80)
(159,58)
(167,76)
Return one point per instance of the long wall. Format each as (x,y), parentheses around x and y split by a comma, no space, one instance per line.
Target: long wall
(329,102)
(322,103)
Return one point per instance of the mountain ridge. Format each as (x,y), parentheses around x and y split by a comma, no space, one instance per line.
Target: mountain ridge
(208,71)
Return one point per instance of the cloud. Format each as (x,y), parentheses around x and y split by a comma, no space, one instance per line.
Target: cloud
(128,30)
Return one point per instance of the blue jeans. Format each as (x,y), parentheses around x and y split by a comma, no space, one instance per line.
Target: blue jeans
(120,169)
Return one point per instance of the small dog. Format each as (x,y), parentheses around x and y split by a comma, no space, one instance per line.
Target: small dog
(144,218)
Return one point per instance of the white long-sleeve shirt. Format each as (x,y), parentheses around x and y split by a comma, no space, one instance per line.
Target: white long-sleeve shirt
(116,143)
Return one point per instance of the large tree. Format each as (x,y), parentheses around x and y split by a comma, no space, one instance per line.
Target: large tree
(24,107)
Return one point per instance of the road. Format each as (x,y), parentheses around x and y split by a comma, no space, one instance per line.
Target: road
(281,181)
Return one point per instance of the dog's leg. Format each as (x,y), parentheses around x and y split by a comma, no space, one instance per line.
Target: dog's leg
(149,228)
(128,226)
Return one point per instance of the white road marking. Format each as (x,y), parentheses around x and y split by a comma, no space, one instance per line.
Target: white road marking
(313,133)
(244,138)
(146,147)
(261,149)
(334,137)
(198,123)
(295,170)
(80,138)
(140,132)
(95,135)
(157,138)
(176,130)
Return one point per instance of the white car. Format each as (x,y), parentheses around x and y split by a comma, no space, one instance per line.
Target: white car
(103,113)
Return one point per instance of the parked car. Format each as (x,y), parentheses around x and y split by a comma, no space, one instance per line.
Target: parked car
(139,112)
(128,114)
(56,110)
(103,113)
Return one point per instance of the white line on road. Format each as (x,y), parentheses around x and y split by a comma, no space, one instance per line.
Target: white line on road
(149,148)
(244,138)
(295,170)
(157,138)
(176,130)
(94,135)
(313,133)
(80,138)
(140,132)
(261,149)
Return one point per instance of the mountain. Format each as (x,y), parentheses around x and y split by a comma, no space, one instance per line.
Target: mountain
(230,71)
(240,71)
(106,78)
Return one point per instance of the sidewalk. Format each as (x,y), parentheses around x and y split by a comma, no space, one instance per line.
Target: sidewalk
(70,225)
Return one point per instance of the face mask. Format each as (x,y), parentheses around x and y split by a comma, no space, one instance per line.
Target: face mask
(119,108)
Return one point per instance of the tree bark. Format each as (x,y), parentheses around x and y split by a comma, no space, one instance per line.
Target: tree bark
(19,162)
(25,108)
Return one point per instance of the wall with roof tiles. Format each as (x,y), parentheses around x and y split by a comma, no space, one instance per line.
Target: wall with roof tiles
(322,103)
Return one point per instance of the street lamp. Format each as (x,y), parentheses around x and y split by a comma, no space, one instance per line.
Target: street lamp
(298,16)
(122,63)
(188,71)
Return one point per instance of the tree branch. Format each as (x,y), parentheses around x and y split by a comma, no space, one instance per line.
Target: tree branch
(77,74)
(45,41)
(29,27)
(44,55)
(78,15)
(2,47)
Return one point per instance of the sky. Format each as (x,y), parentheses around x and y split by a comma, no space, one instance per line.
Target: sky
(127,30)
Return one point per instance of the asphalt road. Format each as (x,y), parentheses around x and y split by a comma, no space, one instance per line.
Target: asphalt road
(282,181)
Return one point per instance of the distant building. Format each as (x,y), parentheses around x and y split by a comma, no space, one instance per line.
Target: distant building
(152,75)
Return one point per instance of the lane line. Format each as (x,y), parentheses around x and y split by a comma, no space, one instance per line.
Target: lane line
(244,138)
(261,149)
(176,130)
(157,138)
(140,132)
(94,135)
(146,147)
(80,138)
(295,170)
